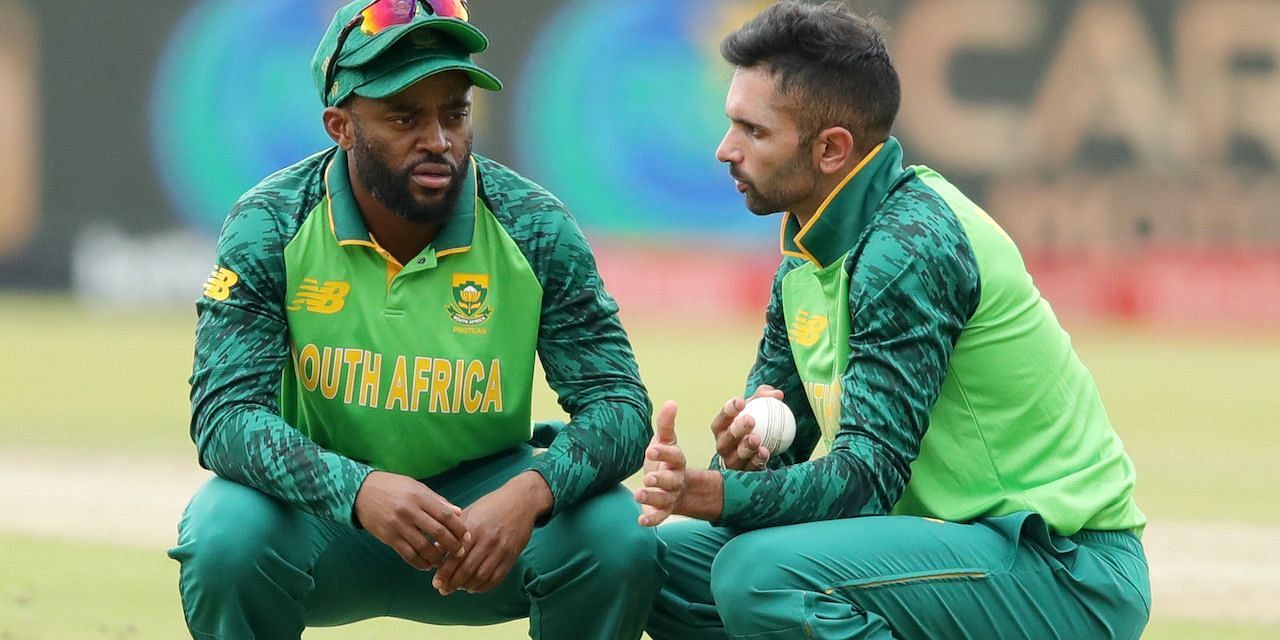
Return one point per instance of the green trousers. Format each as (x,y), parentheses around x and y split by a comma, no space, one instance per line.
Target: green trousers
(256,567)
(901,578)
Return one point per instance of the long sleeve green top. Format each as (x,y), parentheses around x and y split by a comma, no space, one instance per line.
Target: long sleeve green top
(320,358)
(905,332)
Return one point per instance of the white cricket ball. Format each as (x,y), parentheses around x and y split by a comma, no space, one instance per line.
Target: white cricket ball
(774,422)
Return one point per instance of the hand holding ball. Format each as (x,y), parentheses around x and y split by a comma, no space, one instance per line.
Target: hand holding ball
(775,423)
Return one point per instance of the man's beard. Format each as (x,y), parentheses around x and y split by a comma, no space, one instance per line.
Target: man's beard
(795,181)
(391,187)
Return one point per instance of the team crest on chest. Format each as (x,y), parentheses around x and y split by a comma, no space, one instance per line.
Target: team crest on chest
(470,308)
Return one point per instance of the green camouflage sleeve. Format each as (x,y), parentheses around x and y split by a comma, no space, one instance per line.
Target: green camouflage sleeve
(588,362)
(242,345)
(913,286)
(776,367)
(583,348)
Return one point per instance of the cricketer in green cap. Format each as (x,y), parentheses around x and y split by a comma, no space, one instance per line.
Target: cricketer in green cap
(365,50)
(362,386)
(410,62)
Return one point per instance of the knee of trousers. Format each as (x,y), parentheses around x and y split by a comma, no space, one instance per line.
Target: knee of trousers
(752,576)
(602,537)
(232,536)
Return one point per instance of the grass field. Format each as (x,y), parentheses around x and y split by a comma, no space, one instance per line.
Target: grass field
(1196,409)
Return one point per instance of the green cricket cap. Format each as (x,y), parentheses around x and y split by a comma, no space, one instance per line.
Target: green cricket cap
(390,61)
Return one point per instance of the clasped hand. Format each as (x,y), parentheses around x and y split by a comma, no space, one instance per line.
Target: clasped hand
(472,549)
(502,522)
(409,517)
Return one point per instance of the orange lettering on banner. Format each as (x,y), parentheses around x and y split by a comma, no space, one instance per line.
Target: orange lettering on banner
(20,137)
(1120,145)
(950,131)
(1222,98)
(1105,78)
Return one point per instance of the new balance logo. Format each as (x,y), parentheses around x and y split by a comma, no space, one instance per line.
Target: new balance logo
(324,298)
(218,286)
(806,330)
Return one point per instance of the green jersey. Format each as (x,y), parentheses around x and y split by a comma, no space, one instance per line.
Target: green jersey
(320,358)
(905,331)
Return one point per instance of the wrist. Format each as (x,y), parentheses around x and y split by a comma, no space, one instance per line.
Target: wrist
(535,492)
(363,495)
(703,496)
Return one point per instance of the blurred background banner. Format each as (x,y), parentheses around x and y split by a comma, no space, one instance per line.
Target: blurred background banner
(1131,147)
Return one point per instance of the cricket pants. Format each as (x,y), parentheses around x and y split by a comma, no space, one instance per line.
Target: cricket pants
(256,567)
(901,578)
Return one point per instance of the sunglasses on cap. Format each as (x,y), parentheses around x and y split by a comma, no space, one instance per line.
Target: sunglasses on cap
(382,14)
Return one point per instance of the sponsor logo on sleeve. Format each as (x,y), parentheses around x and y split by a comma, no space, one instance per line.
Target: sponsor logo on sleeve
(218,286)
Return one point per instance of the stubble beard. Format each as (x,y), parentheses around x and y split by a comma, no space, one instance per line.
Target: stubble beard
(393,187)
(781,191)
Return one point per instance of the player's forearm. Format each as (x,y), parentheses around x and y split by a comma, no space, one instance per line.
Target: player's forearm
(839,485)
(599,448)
(589,363)
(254,446)
(531,488)
(703,496)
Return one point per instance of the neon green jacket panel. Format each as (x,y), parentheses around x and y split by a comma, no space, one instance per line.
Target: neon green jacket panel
(775,366)
(816,309)
(244,345)
(1019,425)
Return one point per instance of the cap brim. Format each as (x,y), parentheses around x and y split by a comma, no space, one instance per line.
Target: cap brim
(464,33)
(409,73)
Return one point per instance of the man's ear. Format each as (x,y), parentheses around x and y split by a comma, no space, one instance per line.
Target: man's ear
(834,151)
(338,124)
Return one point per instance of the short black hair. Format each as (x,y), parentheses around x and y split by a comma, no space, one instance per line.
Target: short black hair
(832,65)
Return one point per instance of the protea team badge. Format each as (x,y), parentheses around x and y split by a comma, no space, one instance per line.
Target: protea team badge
(470,306)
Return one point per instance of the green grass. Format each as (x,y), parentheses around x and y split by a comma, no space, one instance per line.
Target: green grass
(82,378)
(1195,409)
(1208,630)
(54,589)
(59,590)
